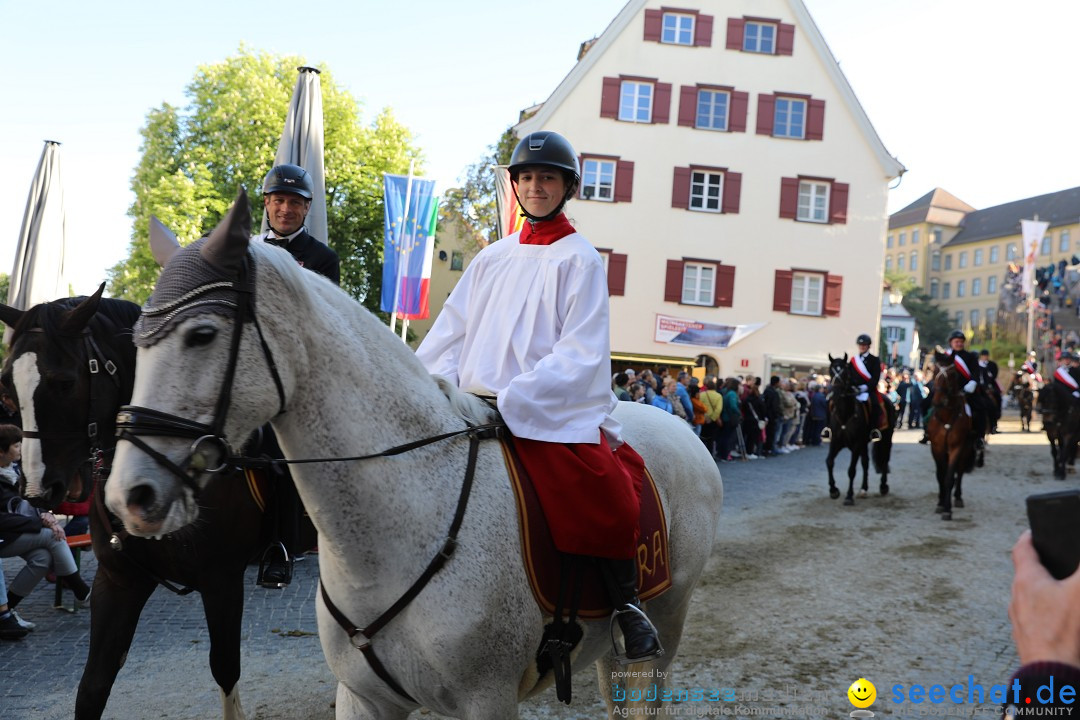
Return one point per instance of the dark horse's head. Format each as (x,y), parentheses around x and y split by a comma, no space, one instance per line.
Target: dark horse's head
(948,385)
(838,368)
(71,365)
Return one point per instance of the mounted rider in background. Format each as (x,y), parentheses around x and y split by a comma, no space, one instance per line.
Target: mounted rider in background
(967,364)
(867,369)
(993,390)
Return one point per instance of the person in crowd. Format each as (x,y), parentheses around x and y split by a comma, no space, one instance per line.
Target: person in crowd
(529,323)
(916,395)
(10,626)
(803,399)
(730,419)
(754,418)
(637,393)
(713,402)
(660,400)
(992,389)
(789,410)
(681,384)
(651,387)
(774,415)
(817,416)
(30,534)
(699,409)
(903,393)
(673,390)
(619,386)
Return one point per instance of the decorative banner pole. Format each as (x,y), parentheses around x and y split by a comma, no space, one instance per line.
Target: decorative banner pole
(1032,232)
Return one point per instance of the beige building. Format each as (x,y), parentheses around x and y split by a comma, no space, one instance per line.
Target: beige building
(731,180)
(961,255)
(453,253)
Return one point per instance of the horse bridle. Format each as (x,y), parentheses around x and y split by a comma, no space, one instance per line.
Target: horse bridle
(134,422)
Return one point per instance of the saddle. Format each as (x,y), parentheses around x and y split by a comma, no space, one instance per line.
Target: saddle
(543,562)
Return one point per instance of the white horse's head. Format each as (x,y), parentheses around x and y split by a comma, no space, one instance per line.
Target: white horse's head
(185,337)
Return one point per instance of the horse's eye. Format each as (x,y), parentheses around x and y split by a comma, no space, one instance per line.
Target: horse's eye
(202,335)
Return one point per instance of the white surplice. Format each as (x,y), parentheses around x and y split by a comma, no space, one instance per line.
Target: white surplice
(530,324)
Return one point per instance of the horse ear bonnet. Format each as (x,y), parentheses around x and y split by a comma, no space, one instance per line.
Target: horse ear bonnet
(199,278)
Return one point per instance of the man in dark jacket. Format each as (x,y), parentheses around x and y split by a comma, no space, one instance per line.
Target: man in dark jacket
(774,413)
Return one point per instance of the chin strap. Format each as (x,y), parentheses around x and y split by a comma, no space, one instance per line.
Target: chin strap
(551,215)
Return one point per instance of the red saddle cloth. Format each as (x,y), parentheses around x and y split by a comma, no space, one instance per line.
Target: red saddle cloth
(542,560)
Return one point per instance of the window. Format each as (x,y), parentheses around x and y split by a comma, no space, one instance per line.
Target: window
(934,288)
(888,263)
(961,288)
(975,318)
(991,317)
(991,285)
(994,254)
(807,293)
(691,281)
(457,260)
(937,237)
(705,191)
(902,240)
(948,262)
(961,259)
(790,118)
(1063,241)
(814,202)
(759,37)
(935,260)
(914,237)
(976,286)
(698,284)
(945,289)
(895,334)
(1010,252)
(712,110)
(913,263)
(959,318)
(888,242)
(598,180)
(677,29)
(635,101)
(1044,248)
(900,262)
(977,257)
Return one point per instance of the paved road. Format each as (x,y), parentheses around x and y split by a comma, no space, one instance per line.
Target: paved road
(802,595)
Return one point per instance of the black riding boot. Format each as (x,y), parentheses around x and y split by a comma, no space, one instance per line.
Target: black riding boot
(639,635)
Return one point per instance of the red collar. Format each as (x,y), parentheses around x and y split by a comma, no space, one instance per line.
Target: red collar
(545,232)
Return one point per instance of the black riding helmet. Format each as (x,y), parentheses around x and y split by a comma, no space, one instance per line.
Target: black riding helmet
(863,339)
(957,335)
(553,150)
(291,179)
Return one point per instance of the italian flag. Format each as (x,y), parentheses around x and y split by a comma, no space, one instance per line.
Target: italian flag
(411,285)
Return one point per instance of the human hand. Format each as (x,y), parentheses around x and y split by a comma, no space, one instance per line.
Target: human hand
(969,386)
(1045,612)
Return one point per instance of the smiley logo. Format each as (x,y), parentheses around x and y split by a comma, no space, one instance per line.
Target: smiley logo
(862,693)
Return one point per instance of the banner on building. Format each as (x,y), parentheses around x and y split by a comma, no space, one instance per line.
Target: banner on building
(1032,232)
(681,331)
(409,242)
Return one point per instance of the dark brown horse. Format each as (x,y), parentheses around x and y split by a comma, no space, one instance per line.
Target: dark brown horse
(951,440)
(71,366)
(1061,420)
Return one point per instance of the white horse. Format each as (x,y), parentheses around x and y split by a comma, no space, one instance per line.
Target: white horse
(465,647)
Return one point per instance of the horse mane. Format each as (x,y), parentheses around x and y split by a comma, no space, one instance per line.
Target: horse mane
(471,408)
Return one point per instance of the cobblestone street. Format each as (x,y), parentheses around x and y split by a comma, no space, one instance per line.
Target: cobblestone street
(802,597)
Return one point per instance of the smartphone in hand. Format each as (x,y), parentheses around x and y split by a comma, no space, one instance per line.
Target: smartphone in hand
(1055,530)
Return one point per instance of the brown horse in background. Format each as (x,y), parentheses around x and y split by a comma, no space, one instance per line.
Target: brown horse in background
(949,428)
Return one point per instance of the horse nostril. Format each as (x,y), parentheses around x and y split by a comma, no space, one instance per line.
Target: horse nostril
(141,496)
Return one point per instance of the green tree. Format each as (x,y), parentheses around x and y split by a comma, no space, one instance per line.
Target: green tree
(933,322)
(195,158)
(473,204)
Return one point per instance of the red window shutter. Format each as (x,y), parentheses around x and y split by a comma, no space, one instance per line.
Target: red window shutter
(740,102)
(732,192)
(815,120)
(609,98)
(703,31)
(834,284)
(680,189)
(766,108)
(725,286)
(781,298)
(616,274)
(687,105)
(785,39)
(838,197)
(673,281)
(654,20)
(624,181)
(661,111)
(789,198)
(735,29)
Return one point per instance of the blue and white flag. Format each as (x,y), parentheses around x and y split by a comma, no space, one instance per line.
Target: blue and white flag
(408,235)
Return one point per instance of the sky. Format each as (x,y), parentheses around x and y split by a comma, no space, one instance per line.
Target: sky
(974,96)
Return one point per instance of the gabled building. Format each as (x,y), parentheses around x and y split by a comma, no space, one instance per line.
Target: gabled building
(732,181)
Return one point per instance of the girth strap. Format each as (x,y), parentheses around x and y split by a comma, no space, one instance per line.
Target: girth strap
(436,564)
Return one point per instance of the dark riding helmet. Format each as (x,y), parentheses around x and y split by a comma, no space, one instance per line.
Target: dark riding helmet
(984,353)
(552,150)
(957,335)
(291,179)
(863,339)
(1066,356)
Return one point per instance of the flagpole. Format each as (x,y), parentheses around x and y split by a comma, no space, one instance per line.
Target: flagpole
(1030,271)
(402,260)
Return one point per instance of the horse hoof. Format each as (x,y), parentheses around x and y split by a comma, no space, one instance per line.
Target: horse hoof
(863,494)
(849,501)
(946,516)
(834,493)
(884,489)
(959,502)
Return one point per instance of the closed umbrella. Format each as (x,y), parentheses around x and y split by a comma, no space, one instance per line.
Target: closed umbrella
(38,274)
(302,144)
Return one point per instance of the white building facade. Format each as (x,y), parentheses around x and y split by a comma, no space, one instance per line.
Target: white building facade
(731,180)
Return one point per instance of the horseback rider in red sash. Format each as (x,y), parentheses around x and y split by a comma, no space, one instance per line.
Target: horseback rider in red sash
(529,324)
(867,368)
(967,364)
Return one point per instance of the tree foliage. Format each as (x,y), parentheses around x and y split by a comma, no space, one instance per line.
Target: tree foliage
(473,204)
(195,158)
